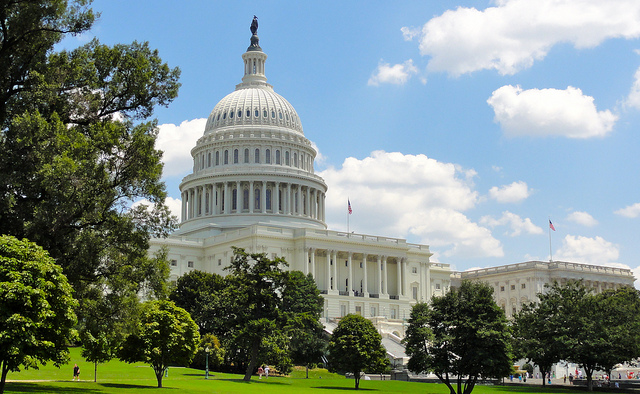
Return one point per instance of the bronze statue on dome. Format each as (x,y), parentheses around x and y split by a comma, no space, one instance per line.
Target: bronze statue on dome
(254,25)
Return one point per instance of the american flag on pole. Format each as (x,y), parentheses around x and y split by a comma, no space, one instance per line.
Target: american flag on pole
(551,225)
(349,206)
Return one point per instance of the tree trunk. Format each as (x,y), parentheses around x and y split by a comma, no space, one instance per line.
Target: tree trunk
(95,371)
(356,377)
(253,361)
(5,369)
(159,374)
(307,371)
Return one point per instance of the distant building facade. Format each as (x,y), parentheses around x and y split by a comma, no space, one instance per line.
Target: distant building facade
(518,284)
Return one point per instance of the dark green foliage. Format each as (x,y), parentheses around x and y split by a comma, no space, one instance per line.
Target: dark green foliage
(356,347)
(461,337)
(596,331)
(216,353)
(200,293)
(165,335)
(36,308)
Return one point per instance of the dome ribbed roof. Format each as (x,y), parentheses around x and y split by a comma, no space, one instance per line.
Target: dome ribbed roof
(259,106)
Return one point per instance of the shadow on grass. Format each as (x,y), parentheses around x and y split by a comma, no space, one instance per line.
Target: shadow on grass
(44,388)
(265,381)
(342,388)
(132,386)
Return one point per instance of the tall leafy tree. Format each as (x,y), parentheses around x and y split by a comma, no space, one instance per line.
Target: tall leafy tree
(36,308)
(356,347)
(200,293)
(461,337)
(165,335)
(77,147)
(254,288)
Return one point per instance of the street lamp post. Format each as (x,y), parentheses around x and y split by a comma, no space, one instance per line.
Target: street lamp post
(206,373)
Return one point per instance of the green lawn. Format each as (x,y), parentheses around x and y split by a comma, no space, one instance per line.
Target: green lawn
(118,377)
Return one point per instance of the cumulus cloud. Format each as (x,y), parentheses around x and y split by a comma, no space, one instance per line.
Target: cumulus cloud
(515,33)
(409,196)
(582,218)
(516,224)
(631,211)
(515,192)
(177,142)
(174,205)
(597,251)
(549,112)
(409,33)
(633,100)
(398,74)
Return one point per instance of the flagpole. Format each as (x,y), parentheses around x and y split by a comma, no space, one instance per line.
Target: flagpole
(550,251)
(348,214)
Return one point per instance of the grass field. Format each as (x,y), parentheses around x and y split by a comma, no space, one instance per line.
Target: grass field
(118,377)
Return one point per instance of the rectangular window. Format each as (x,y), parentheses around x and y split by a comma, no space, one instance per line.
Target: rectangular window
(174,263)
(414,291)
(414,270)
(219,261)
(501,288)
(190,264)
(513,287)
(523,286)
(437,286)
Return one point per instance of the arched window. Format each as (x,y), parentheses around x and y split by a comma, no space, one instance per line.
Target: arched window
(217,158)
(209,159)
(268,202)
(249,113)
(206,202)
(256,159)
(267,156)
(256,113)
(222,201)
(224,116)
(245,199)
(202,162)
(256,202)
(264,113)
(273,114)
(239,113)
(235,156)
(234,200)
(230,114)
(246,155)
(226,157)
(277,157)
(286,158)
(295,160)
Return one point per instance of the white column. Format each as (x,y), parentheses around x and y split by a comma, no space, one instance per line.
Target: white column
(288,209)
(227,199)
(385,277)
(196,200)
(379,275)
(276,202)
(251,197)
(202,201)
(336,285)
(263,198)
(305,269)
(183,211)
(351,284)
(313,262)
(307,203)
(399,276)
(329,287)
(365,289)
(239,197)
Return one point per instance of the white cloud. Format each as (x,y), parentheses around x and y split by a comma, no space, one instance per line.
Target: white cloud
(174,205)
(515,192)
(408,33)
(631,211)
(633,100)
(177,142)
(512,35)
(410,197)
(586,250)
(398,74)
(516,224)
(582,218)
(549,112)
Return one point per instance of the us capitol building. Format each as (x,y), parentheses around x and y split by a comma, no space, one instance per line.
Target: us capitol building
(253,186)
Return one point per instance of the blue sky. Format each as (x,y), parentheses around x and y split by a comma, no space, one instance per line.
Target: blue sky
(462,125)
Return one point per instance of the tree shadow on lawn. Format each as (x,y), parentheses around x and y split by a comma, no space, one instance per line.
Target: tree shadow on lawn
(259,381)
(133,386)
(20,387)
(342,388)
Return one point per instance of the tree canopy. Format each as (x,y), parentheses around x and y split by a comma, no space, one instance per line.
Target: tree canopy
(165,335)
(77,150)
(356,347)
(36,308)
(461,337)
(560,326)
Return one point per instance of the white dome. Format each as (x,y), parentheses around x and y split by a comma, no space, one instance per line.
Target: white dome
(259,106)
